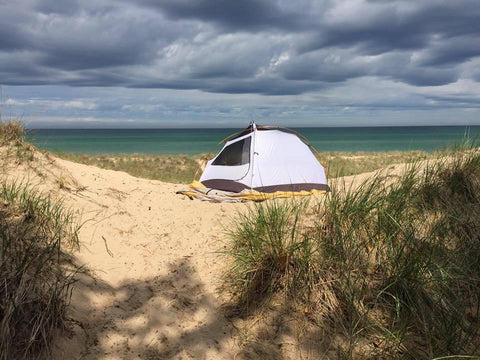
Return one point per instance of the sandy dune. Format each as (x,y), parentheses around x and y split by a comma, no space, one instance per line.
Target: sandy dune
(151,267)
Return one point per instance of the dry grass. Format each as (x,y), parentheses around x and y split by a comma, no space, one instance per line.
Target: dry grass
(181,168)
(169,168)
(12,133)
(12,137)
(340,164)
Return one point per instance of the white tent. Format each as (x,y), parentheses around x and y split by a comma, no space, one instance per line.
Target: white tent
(263,161)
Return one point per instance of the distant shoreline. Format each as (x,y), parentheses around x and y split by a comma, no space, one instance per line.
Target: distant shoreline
(239,128)
(192,142)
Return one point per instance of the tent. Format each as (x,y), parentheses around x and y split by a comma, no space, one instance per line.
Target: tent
(259,163)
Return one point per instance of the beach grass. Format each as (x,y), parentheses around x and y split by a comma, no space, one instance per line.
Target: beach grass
(182,168)
(338,164)
(168,168)
(389,266)
(36,273)
(268,252)
(12,138)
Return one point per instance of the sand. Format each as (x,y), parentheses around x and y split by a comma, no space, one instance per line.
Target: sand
(151,267)
(149,289)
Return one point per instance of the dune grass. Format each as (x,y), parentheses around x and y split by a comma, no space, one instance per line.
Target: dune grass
(11,132)
(182,168)
(391,266)
(12,138)
(338,164)
(35,278)
(36,274)
(269,252)
(169,168)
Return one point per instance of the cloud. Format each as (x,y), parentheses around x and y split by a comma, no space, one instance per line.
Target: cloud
(245,15)
(457,50)
(53,104)
(323,66)
(272,48)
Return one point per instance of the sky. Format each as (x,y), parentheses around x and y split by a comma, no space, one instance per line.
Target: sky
(224,63)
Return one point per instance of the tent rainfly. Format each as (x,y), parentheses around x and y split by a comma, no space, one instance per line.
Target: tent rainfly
(258,163)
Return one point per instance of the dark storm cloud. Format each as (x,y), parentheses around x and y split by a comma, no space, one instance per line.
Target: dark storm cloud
(387,26)
(399,67)
(419,76)
(246,15)
(11,38)
(102,39)
(379,35)
(457,50)
(66,54)
(270,47)
(13,35)
(265,86)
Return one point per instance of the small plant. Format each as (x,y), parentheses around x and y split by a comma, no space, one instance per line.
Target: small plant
(61,182)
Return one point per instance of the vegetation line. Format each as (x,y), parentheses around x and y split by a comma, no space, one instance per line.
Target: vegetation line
(182,169)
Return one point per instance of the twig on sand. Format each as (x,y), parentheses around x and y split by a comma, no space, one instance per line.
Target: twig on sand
(106,246)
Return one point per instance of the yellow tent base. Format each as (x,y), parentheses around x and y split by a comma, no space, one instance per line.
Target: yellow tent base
(199,191)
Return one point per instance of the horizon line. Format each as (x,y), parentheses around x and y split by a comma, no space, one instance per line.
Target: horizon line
(230,128)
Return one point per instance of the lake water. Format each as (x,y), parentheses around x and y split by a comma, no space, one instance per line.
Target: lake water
(197,141)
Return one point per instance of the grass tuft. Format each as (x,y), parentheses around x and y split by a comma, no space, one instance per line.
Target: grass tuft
(268,252)
(12,132)
(35,277)
(12,137)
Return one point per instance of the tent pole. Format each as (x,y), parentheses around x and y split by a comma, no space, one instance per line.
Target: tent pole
(252,161)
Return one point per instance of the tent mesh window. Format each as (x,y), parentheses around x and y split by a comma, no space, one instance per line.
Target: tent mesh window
(237,153)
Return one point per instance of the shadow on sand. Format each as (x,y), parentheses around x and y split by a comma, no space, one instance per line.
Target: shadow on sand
(173,317)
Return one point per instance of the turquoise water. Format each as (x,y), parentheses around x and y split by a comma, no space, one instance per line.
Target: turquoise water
(196,141)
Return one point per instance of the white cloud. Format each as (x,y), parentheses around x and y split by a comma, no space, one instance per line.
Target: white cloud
(52,104)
